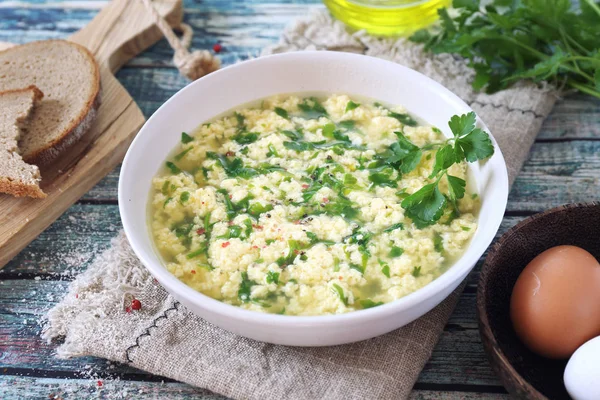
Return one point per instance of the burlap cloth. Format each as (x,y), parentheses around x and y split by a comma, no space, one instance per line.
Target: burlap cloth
(164,338)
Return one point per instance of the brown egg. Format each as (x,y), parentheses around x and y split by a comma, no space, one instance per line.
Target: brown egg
(555,304)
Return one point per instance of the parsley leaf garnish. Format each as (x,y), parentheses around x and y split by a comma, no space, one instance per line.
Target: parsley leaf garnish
(185,138)
(281,112)
(272,277)
(426,206)
(312,109)
(351,106)
(368,303)
(337,289)
(505,41)
(245,288)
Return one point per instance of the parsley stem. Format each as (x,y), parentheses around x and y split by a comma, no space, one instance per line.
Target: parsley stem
(542,56)
(593,6)
(584,88)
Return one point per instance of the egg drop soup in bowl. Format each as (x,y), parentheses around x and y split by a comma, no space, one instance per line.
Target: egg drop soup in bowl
(312,198)
(294,207)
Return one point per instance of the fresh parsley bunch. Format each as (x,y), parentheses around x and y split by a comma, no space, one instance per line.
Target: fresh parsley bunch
(509,40)
(426,206)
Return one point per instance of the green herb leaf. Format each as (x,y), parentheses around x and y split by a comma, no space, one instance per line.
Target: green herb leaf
(438,242)
(206,266)
(257,208)
(403,118)
(358,268)
(347,125)
(391,228)
(444,158)
(396,251)
(194,254)
(366,303)
(337,289)
(179,156)
(282,113)
(385,268)
(475,146)
(463,124)
(472,5)
(172,167)
(416,272)
(294,135)
(245,288)
(312,109)
(272,277)
(233,209)
(425,206)
(184,197)
(241,121)
(272,151)
(507,40)
(383,179)
(233,231)
(456,188)
(185,138)
(351,106)
(246,138)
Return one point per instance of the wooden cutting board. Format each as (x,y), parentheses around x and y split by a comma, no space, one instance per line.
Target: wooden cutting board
(121,30)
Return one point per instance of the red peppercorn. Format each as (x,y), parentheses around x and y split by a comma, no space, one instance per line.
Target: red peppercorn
(99,383)
(201,231)
(193,271)
(127,309)
(225,244)
(305,186)
(217,48)
(136,304)
(325,200)
(230,154)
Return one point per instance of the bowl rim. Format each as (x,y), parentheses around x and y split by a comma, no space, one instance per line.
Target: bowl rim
(174,285)
(498,358)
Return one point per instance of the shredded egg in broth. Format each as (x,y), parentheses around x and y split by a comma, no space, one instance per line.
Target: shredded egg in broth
(293,207)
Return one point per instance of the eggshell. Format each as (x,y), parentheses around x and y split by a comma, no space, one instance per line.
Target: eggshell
(582,375)
(555,304)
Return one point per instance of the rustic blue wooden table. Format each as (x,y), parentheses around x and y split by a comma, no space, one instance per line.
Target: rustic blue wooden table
(564,167)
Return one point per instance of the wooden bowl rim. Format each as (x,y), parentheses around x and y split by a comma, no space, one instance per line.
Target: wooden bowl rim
(499,358)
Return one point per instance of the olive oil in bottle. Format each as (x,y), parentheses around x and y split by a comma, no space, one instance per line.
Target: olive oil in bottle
(387,17)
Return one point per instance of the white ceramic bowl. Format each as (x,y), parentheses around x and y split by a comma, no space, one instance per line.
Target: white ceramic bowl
(328,72)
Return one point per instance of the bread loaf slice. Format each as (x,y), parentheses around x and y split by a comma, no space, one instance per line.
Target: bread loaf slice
(16,176)
(68,75)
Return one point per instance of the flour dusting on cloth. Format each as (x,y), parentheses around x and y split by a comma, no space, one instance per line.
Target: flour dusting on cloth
(166,339)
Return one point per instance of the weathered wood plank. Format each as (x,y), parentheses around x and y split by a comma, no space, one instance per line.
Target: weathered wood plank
(70,243)
(14,388)
(242,27)
(25,388)
(575,116)
(458,357)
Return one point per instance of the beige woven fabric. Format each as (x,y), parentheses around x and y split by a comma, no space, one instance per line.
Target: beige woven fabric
(166,339)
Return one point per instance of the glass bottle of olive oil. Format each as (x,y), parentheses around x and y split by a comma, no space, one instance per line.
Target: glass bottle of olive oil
(386,17)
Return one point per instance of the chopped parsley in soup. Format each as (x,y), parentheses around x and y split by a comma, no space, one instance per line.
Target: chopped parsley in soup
(306,206)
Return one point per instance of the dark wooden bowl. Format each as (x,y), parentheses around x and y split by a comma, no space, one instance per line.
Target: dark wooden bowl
(523,373)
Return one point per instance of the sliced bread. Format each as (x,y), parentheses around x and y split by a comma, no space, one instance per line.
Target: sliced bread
(16,176)
(68,75)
